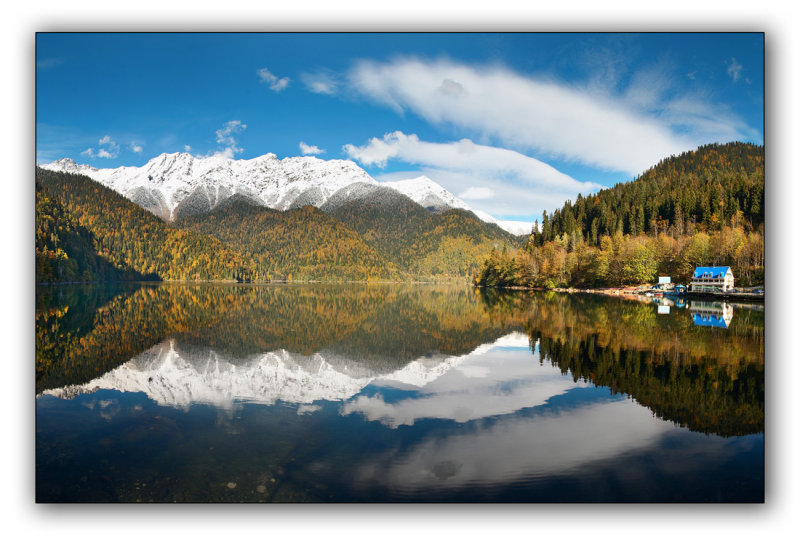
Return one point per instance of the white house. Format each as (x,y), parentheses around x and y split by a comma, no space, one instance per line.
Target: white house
(712,280)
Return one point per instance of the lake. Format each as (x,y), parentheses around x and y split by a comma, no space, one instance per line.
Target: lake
(394,393)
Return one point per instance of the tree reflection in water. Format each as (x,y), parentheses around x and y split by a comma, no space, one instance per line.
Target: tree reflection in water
(409,392)
(708,380)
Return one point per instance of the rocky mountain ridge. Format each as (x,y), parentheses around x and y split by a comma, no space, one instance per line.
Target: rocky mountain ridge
(172,185)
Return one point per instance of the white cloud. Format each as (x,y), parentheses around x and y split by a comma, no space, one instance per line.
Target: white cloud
(511,200)
(225,134)
(187,148)
(463,155)
(111,149)
(498,181)
(477,193)
(310,149)
(734,69)
(692,115)
(378,152)
(275,84)
(591,127)
(135,148)
(225,137)
(451,88)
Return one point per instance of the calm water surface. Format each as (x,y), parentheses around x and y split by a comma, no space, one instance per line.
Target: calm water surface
(357,393)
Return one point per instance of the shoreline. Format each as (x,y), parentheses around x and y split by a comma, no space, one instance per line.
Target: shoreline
(625,292)
(637,293)
(465,282)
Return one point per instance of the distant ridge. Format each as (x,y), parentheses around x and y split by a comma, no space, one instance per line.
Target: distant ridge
(172,185)
(175,183)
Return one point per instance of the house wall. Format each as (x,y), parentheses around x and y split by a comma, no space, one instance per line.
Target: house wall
(713,285)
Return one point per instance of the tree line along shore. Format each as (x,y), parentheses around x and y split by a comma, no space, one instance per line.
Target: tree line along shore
(702,208)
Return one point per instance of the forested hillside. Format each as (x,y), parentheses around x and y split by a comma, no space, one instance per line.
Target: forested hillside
(302,243)
(699,190)
(126,236)
(704,207)
(65,250)
(449,244)
(87,232)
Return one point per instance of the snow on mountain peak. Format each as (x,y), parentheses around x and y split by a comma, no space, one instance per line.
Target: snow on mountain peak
(432,195)
(172,184)
(165,181)
(428,193)
(70,166)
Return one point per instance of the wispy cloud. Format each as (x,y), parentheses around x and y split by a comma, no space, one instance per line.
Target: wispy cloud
(135,147)
(626,129)
(310,149)
(648,88)
(499,181)
(325,82)
(226,139)
(734,69)
(275,84)
(107,148)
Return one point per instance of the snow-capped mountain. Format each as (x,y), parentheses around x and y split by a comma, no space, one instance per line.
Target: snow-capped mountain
(173,184)
(432,195)
(515,227)
(428,193)
(179,182)
(375,194)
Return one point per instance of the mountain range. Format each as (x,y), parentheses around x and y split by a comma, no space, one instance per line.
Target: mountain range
(185,218)
(179,184)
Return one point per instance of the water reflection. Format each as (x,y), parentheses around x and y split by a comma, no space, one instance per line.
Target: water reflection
(707,380)
(713,314)
(180,376)
(502,380)
(495,379)
(372,393)
(384,326)
(521,448)
(223,345)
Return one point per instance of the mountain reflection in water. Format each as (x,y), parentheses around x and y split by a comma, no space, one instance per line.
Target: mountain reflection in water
(390,393)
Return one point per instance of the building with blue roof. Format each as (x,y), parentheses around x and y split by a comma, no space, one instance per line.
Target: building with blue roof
(712,280)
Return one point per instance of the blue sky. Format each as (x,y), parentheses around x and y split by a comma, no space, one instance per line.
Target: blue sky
(512,123)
